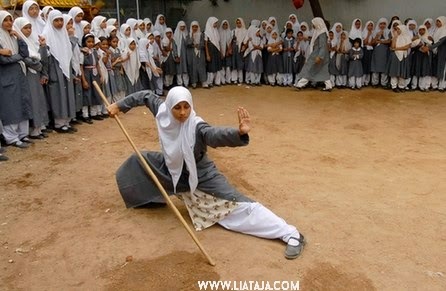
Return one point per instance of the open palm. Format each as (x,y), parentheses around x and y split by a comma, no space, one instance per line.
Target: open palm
(244,120)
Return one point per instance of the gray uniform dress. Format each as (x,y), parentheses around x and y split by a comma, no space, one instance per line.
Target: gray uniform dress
(138,189)
(317,72)
(182,65)
(380,56)
(196,63)
(355,66)
(15,98)
(440,59)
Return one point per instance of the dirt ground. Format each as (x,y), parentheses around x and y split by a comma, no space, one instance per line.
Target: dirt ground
(361,173)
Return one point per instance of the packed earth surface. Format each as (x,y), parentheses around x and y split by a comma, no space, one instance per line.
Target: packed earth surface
(361,173)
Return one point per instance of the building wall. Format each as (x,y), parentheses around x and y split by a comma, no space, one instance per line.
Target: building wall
(334,10)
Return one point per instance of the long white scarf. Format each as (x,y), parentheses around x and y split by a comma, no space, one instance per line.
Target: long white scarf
(365,32)
(59,43)
(37,23)
(441,31)
(252,40)
(161,28)
(319,28)
(96,29)
(177,139)
(211,32)
(225,37)
(180,35)
(196,37)
(131,66)
(240,33)
(33,47)
(403,39)
(78,30)
(7,41)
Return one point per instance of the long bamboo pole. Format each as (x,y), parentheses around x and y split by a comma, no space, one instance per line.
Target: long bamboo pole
(155,179)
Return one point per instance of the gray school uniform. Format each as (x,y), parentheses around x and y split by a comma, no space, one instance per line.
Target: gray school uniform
(380,56)
(196,63)
(169,66)
(15,100)
(254,66)
(288,57)
(440,59)
(332,69)
(60,92)
(91,73)
(182,65)
(343,63)
(238,62)
(118,74)
(215,64)
(317,72)
(397,68)
(37,69)
(421,63)
(355,65)
(274,64)
(137,188)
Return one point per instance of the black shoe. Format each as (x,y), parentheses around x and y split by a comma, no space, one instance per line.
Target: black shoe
(97,117)
(396,90)
(47,130)
(3,158)
(44,135)
(72,129)
(105,116)
(20,144)
(27,140)
(63,129)
(36,136)
(74,122)
(86,120)
(326,89)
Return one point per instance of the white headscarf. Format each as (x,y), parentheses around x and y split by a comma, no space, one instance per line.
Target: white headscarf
(147,21)
(255,40)
(45,11)
(240,33)
(319,28)
(177,139)
(413,32)
(344,45)
(160,28)
(96,29)
(59,43)
(196,38)
(337,35)
(33,47)
(6,40)
(211,32)
(441,31)
(112,22)
(225,37)
(276,25)
(78,31)
(433,28)
(307,33)
(356,32)
(76,59)
(296,25)
(165,42)
(424,37)
(109,29)
(365,32)
(180,35)
(131,66)
(132,22)
(377,29)
(37,23)
(403,39)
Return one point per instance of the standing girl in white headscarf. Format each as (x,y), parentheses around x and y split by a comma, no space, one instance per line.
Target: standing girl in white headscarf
(77,14)
(180,36)
(30,11)
(342,55)
(238,64)
(398,63)
(131,65)
(60,83)
(15,103)
(367,40)
(421,67)
(98,26)
(196,56)
(213,51)
(226,51)
(185,169)
(439,49)
(160,25)
(355,31)
(253,55)
(170,57)
(381,42)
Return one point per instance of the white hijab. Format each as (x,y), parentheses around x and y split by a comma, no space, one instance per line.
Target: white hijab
(96,29)
(59,43)
(441,31)
(424,37)
(385,31)
(433,28)
(403,39)
(132,22)
(37,23)
(356,32)
(255,40)
(211,32)
(240,33)
(6,40)
(296,25)
(307,33)
(177,139)
(160,28)
(196,38)
(337,35)
(412,32)
(319,28)
(76,59)
(147,21)
(365,32)
(131,66)
(33,47)
(78,30)
(225,37)
(180,35)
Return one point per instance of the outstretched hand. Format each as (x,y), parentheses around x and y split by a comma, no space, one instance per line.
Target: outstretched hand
(243,120)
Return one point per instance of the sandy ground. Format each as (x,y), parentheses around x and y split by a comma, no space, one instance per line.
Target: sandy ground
(361,173)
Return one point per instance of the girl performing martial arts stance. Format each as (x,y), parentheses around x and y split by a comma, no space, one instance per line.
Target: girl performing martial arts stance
(184,169)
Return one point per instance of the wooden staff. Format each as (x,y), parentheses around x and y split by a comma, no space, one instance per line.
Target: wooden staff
(155,179)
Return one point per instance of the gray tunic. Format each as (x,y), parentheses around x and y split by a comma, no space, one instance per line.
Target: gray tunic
(60,91)
(196,63)
(380,58)
(182,65)
(317,72)
(15,97)
(137,188)
(36,71)
(355,66)
(440,59)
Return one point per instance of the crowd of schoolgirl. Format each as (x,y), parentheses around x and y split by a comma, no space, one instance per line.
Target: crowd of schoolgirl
(58,56)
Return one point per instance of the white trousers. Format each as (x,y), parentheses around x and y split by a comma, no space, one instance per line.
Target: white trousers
(341,80)
(168,80)
(287,79)
(253,78)
(366,79)
(355,82)
(376,79)
(237,75)
(214,78)
(183,79)
(273,78)
(398,82)
(257,220)
(226,75)
(303,82)
(15,132)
